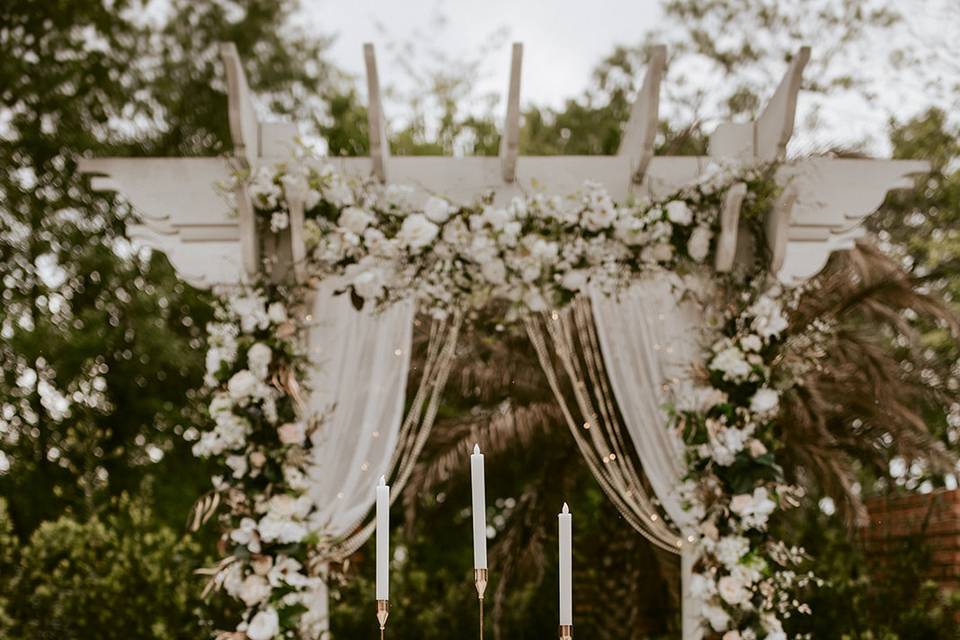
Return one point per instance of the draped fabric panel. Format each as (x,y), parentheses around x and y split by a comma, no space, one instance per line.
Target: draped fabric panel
(360,362)
(622,360)
(650,341)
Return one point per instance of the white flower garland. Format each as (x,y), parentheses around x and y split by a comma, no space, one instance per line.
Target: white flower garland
(538,252)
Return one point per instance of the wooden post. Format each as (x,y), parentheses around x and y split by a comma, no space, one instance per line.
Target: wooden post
(729,227)
(510,142)
(245,133)
(379,147)
(640,132)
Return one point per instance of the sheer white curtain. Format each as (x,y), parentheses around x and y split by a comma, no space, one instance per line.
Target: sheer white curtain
(359,366)
(651,338)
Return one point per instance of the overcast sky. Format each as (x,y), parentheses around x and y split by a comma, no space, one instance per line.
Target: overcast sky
(563,39)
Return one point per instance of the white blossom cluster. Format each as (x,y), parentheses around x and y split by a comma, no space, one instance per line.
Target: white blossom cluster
(744,582)
(252,337)
(535,251)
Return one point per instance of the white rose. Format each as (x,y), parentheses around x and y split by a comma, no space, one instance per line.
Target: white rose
(417,232)
(543,250)
(295,187)
(574,280)
(496,217)
(678,212)
(238,464)
(534,300)
(258,359)
(765,401)
(757,448)
(263,191)
(292,433)
(699,244)
(753,509)
(261,564)
(232,578)
(510,233)
(277,313)
(242,385)
(600,217)
(279,221)
(718,618)
(246,535)
(273,528)
(629,230)
(768,318)
(751,343)
(702,587)
(437,209)
(731,635)
(264,626)
(494,271)
(258,459)
(355,219)
(254,590)
(730,549)
(731,363)
(662,252)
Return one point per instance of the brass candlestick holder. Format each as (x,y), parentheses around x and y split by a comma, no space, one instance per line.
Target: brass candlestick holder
(383,610)
(480,579)
(566,632)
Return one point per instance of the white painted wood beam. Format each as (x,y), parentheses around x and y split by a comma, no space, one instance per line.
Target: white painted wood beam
(510,141)
(640,132)
(774,127)
(244,126)
(766,138)
(245,134)
(377,125)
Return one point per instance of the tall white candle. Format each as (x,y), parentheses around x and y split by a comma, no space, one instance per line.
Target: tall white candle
(383,540)
(479,509)
(566,566)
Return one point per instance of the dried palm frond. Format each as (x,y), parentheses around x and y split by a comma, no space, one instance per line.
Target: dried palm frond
(863,399)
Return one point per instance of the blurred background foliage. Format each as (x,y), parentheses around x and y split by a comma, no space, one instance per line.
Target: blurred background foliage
(102,346)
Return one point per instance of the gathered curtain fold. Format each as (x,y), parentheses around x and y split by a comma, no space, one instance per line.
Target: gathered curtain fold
(623,359)
(359,366)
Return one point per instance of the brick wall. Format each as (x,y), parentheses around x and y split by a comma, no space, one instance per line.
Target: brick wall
(934,517)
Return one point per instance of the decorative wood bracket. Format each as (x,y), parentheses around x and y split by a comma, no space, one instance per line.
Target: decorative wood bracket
(379,147)
(640,132)
(729,227)
(245,132)
(777,226)
(510,142)
(765,140)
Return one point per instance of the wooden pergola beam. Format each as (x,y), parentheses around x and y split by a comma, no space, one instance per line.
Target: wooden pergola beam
(376,121)
(245,133)
(640,132)
(510,141)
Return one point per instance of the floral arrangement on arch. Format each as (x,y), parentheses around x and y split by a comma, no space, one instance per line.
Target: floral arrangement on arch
(538,253)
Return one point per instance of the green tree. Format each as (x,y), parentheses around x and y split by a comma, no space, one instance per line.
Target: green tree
(102,344)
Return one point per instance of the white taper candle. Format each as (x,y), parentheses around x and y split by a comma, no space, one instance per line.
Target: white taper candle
(383,540)
(479,509)
(566,566)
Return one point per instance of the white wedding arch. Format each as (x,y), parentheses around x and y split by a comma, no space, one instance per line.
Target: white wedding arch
(603,260)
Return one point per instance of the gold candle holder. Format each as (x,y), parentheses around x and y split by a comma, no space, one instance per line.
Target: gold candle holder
(480,579)
(566,632)
(383,610)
